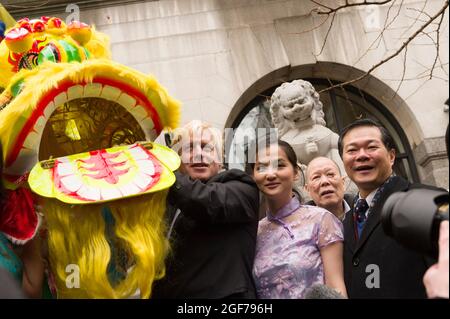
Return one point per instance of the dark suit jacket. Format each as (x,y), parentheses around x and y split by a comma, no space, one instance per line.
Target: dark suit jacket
(214,238)
(400,270)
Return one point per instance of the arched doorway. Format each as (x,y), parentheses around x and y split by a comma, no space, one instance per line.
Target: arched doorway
(340,106)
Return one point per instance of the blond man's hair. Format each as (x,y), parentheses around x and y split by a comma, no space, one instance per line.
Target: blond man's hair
(196,128)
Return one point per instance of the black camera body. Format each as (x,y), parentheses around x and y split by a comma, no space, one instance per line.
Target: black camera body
(413,218)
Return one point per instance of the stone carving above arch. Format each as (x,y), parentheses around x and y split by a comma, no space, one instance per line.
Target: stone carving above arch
(297,114)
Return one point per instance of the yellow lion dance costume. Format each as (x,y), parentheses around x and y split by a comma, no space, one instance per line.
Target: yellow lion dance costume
(71,122)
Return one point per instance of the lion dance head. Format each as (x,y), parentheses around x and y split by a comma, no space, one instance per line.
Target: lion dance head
(77,129)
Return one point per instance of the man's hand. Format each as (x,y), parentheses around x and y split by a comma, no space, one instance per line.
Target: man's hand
(436,277)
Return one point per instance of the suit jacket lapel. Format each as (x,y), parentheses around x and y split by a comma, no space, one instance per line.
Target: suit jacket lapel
(349,230)
(397,184)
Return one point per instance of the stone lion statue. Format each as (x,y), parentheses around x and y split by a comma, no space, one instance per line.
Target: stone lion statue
(297,114)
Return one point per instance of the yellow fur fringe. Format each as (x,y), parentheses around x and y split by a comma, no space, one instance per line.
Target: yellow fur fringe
(77,236)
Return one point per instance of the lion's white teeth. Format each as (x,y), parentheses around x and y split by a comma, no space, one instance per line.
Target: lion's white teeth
(110,93)
(110,193)
(75,92)
(139,113)
(72,183)
(146,166)
(142,180)
(126,101)
(80,91)
(147,123)
(129,189)
(89,192)
(60,99)
(32,140)
(138,153)
(40,124)
(92,90)
(65,169)
(49,110)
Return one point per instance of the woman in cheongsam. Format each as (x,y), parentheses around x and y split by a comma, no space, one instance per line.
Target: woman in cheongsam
(298,246)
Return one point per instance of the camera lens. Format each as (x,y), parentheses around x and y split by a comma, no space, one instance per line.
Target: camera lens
(388,209)
(413,218)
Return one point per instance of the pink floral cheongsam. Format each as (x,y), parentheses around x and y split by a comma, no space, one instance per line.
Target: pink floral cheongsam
(288,260)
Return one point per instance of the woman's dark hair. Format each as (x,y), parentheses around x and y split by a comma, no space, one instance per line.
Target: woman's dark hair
(290,153)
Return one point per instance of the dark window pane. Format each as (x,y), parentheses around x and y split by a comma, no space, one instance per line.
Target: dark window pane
(325,98)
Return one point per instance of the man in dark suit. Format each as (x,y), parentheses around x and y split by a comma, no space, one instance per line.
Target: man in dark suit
(375,265)
(213,221)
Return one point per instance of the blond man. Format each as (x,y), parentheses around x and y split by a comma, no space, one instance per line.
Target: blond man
(212,222)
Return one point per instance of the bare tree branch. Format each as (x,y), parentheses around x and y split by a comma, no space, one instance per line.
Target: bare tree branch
(326,36)
(403,72)
(440,13)
(416,19)
(417,89)
(313,28)
(346,5)
(437,44)
(420,13)
(322,5)
(438,56)
(418,77)
(385,27)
